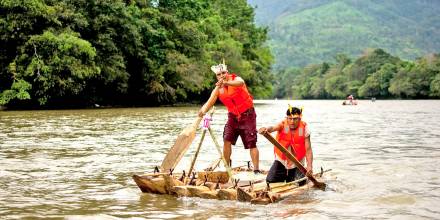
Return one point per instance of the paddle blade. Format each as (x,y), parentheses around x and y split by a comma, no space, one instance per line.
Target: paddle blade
(320,185)
(316,183)
(180,147)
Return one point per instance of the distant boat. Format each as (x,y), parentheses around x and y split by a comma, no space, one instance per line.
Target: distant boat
(349,102)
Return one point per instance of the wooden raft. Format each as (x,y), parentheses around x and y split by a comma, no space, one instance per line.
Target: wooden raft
(216,185)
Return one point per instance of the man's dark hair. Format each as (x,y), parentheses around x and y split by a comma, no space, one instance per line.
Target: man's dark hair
(294,111)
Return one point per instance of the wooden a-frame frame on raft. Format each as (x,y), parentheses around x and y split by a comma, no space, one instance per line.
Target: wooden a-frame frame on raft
(212,183)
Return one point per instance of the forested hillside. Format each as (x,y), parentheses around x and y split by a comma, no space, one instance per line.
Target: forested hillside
(304,32)
(59,53)
(375,73)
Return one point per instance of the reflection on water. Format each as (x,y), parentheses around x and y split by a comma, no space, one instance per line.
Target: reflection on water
(77,164)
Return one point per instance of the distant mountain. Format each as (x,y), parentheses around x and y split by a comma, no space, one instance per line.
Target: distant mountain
(311,31)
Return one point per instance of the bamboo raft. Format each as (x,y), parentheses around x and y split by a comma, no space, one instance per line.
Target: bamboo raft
(218,185)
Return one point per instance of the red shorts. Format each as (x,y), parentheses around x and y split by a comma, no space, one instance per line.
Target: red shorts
(245,126)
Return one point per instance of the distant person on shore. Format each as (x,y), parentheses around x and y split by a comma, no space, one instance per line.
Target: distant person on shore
(294,135)
(232,92)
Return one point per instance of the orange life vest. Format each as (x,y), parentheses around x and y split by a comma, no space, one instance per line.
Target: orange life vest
(237,99)
(294,141)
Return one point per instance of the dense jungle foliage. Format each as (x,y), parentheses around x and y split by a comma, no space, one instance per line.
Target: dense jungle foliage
(375,74)
(59,53)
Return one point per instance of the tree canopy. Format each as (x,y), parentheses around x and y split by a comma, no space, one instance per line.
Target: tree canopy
(132,52)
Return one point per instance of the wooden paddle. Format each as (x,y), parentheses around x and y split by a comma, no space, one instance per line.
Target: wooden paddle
(180,147)
(292,158)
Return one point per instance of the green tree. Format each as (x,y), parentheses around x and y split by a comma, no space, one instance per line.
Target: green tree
(370,62)
(433,61)
(19,21)
(435,86)
(415,79)
(19,90)
(336,86)
(59,65)
(401,84)
(378,83)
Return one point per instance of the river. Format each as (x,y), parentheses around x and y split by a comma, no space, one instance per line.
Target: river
(77,164)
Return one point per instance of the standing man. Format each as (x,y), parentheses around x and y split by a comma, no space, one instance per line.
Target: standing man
(294,135)
(233,93)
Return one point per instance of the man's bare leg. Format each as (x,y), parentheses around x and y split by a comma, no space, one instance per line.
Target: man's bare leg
(255,157)
(227,151)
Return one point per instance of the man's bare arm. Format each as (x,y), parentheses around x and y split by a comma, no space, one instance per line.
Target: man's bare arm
(238,81)
(211,101)
(269,129)
(309,154)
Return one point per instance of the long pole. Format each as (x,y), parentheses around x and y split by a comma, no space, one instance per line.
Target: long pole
(228,168)
(199,146)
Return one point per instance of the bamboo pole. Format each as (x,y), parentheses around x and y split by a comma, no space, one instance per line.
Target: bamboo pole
(228,168)
(199,146)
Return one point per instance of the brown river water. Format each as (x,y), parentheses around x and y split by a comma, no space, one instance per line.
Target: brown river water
(77,164)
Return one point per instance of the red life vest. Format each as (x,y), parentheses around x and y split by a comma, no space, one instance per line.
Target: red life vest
(294,141)
(237,99)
